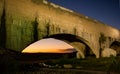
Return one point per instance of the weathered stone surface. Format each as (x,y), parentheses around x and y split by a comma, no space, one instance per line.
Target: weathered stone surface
(51,19)
(67,66)
(80,47)
(108,52)
(116,46)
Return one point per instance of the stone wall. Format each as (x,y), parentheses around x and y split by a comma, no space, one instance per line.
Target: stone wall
(23,15)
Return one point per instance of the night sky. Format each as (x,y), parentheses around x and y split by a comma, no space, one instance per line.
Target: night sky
(106,11)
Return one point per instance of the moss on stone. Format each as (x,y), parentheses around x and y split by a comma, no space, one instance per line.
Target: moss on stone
(19,32)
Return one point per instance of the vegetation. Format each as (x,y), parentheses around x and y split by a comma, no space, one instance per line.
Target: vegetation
(9,63)
(35,26)
(3,28)
(102,39)
(75,31)
(48,28)
(22,31)
(102,64)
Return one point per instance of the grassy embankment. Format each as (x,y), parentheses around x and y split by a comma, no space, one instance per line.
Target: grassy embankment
(8,63)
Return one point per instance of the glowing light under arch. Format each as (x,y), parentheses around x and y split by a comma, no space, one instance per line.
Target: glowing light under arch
(49,45)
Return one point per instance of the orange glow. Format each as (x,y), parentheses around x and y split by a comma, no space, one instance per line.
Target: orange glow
(47,51)
(49,46)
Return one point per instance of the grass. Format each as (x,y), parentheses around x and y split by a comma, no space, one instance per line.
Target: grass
(102,64)
(9,64)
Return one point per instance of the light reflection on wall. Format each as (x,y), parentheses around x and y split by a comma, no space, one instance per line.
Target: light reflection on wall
(49,45)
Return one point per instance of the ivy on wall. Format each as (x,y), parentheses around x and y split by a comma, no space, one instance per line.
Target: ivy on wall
(102,40)
(35,27)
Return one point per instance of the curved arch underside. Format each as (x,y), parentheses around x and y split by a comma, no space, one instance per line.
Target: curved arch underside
(116,46)
(117,43)
(81,45)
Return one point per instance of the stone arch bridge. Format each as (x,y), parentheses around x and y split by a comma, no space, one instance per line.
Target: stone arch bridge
(82,46)
(25,21)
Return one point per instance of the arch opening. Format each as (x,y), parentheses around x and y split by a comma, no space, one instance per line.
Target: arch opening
(116,46)
(77,46)
(49,48)
(80,44)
